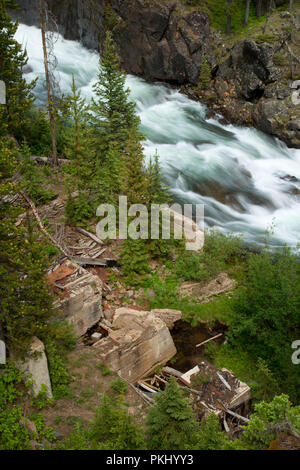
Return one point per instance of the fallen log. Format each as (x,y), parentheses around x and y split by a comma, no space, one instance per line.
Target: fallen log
(146,387)
(160,379)
(36,215)
(146,399)
(171,371)
(89,234)
(89,261)
(236,415)
(208,340)
(226,427)
(46,159)
(224,381)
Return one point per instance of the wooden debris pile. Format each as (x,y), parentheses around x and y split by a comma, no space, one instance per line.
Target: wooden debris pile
(211,391)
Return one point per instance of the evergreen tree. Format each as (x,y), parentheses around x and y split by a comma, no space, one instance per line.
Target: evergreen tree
(210,436)
(135,183)
(171,422)
(114,114)
(19,96)
(76,134)
(25,302)
(157,190)
(113,428)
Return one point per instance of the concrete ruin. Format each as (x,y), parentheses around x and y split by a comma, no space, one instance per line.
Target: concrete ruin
(219,390)
(138,342)
(36,366)
(80,295)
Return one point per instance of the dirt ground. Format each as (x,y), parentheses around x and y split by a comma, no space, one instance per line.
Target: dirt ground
(87,387)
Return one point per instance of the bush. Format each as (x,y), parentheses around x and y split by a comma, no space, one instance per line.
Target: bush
(79,210)
(119,386)
(59,375)
(265,318)
(205,75)
(135,261)
(189,267)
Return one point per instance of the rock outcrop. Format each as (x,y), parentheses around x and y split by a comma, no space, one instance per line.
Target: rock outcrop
(251,68)
(138,342)
(155,40)
(36,366)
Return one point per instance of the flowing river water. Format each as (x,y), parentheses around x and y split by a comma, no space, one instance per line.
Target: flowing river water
(247,180)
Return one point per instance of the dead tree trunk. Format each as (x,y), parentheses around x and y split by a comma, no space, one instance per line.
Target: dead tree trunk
(270,7)
(247,11)
(41,6)
(258,8)
(228,25)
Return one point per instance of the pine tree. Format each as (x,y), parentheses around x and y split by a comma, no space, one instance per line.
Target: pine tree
(171,423)
(76,134)
(135,182)
(157,190)
(19,97)
(25,302)
(113,428)
(114,113)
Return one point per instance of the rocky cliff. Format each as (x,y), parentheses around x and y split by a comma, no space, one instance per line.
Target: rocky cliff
(155,40)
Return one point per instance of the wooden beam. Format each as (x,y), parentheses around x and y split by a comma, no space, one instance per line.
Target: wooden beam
(208,340)
(236,415)
(89,234)
(89,261)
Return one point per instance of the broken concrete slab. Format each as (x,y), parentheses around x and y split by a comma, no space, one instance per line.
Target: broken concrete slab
(80,297)
(221,284)
(139,342)
(168,316)
(36,366)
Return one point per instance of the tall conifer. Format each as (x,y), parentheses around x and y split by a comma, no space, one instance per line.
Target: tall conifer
(19,97)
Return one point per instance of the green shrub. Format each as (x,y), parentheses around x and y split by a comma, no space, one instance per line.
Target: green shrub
(79,210)
(280,59)
(189,267)
(265,318)
(135,261)
(205,75)
(59,375)
(267,37)
(119,386)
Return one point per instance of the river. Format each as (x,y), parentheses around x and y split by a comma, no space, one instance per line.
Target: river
(247,180)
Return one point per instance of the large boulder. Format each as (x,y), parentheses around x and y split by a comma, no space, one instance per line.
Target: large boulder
(36,366)
(138,342)
(250,67)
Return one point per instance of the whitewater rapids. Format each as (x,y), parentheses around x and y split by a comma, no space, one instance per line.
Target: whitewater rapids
(247,180)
